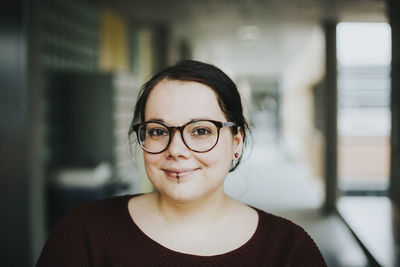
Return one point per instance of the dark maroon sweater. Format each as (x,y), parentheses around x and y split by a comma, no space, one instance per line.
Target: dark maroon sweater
(102,233)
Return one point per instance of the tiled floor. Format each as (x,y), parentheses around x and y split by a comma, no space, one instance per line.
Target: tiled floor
(269,180)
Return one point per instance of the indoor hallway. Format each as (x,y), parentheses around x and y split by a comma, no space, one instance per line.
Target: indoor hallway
(270,180)
(286,46)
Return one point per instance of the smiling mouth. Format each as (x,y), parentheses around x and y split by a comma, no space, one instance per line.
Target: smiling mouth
(173,173)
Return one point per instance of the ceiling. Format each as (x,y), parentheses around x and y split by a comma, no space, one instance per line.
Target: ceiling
(265,10)
(275,28)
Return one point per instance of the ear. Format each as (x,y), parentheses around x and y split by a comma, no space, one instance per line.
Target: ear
(238,141)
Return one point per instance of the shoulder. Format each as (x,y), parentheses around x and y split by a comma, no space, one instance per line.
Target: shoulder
(112,204)
(278,224)
(94,220)
(88,213)
(288,240)
(281,228)
(84,231)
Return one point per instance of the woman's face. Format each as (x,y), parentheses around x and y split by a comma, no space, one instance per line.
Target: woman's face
(200,174)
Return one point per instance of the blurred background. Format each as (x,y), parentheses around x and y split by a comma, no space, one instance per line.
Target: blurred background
(319,81)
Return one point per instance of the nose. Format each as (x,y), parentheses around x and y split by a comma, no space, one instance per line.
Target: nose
(177,147)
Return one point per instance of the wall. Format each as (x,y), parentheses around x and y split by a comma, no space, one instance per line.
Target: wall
(15,232)
(303,141)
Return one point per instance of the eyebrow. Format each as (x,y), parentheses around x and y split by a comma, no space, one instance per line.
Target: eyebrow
(191,120)
(155,120)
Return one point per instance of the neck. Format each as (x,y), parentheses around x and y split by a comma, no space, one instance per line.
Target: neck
(198,211)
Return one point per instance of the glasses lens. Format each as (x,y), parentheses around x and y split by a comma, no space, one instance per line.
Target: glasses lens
(200,136)
(153,137)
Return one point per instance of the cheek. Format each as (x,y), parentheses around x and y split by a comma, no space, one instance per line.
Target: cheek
(219,157)
(152,165)
(151,161)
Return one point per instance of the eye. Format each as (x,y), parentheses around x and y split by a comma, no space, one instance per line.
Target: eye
(201,131)
(157,132)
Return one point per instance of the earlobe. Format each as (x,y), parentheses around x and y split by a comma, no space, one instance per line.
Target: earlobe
(238,140)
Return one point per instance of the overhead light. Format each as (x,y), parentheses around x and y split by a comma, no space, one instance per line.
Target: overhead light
(248,32)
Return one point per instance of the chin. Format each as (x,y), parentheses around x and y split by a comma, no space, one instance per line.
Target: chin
(181,194)
(190,188)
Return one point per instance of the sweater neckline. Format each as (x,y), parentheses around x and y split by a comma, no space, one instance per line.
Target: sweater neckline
(249,244)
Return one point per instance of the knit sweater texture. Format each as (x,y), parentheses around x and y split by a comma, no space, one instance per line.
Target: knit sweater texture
(102,233)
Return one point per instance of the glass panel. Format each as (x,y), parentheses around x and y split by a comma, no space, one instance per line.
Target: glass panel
(363,107)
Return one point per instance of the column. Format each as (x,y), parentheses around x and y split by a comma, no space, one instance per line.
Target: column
(394,19)
(330,99)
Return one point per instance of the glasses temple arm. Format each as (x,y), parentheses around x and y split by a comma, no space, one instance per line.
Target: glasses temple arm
(228,124)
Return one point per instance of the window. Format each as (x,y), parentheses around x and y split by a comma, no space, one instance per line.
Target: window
(364,55)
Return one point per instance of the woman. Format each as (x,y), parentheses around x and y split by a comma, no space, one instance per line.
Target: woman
(189,122)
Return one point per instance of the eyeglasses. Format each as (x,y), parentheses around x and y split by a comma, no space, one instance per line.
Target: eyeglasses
(199,136)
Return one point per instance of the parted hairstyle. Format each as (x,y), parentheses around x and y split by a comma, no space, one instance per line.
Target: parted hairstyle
(189,70)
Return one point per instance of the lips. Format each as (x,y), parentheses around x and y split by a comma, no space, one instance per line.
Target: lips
(173,173)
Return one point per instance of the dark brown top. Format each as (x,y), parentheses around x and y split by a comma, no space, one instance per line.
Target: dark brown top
(102,233)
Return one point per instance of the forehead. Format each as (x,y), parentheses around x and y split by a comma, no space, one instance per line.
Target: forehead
(178,102)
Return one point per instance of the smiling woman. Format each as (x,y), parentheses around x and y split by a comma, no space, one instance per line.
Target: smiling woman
(189,122)
(199,166)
